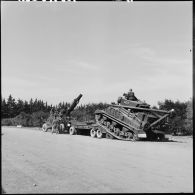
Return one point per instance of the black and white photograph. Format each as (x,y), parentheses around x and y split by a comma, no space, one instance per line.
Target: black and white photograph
(96,97)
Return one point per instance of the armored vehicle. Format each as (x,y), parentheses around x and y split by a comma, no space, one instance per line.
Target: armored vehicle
(131,119)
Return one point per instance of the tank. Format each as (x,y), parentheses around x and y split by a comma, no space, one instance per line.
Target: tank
(131,120)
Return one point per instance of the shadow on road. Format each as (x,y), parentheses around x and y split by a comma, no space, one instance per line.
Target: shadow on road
(164,140)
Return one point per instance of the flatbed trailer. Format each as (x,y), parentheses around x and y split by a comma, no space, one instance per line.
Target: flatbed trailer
(81,128)
(87,128)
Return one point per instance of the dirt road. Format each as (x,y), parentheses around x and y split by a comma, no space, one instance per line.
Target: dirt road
(39,162)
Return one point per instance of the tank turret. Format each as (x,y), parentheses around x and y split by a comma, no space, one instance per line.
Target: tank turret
(124,102)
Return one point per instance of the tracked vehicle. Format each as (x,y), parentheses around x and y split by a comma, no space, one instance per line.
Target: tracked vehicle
(131,119)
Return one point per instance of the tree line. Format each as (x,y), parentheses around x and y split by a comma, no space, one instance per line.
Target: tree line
(34,113)
(182,120)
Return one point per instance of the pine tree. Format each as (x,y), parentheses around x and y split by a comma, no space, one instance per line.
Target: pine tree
(11,104)
(31,106)
(26,107)
(4,108)
(178,122)
(19,106)
(189,118)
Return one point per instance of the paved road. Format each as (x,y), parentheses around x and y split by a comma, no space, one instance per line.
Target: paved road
(39,162)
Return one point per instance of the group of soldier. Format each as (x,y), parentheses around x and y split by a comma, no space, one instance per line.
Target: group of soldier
(56,117)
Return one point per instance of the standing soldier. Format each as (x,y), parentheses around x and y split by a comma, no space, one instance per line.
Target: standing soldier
(55,122)
(51,114)
(51,111)
(130,95)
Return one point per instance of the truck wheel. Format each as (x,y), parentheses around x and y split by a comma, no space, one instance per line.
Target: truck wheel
(99,134)
(93,133)
(44,127)
(72,130)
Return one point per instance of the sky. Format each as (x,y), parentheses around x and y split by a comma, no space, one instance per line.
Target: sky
(54,51)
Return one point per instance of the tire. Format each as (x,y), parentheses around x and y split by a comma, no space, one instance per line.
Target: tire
(99,134)
(44,127)
(72,130)
(93,133)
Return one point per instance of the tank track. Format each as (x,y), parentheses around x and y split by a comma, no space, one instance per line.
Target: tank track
(105,123)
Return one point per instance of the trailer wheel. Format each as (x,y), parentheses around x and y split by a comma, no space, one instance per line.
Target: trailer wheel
(99,134)
(93,133)
(44,127)
(72,130)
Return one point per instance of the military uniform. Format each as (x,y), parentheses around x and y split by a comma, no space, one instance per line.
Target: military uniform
(130,95)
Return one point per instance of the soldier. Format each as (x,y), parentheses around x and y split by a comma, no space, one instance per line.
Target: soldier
(56,112)
(51,111)
(55,121)
(55,124)
(130,95)
(61,113)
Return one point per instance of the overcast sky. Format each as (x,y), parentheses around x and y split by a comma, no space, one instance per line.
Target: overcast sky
(55,51)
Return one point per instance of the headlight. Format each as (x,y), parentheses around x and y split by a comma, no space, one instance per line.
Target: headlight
(68,125)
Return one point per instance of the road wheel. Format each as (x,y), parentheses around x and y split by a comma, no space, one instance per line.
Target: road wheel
(93,133)
(72,130)
(129,135)
(97,117)
(108,136)
(108,124)
(99,134)
(135,137)
(44,127)
(117,131)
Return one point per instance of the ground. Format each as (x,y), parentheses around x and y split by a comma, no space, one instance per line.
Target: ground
(40,162)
